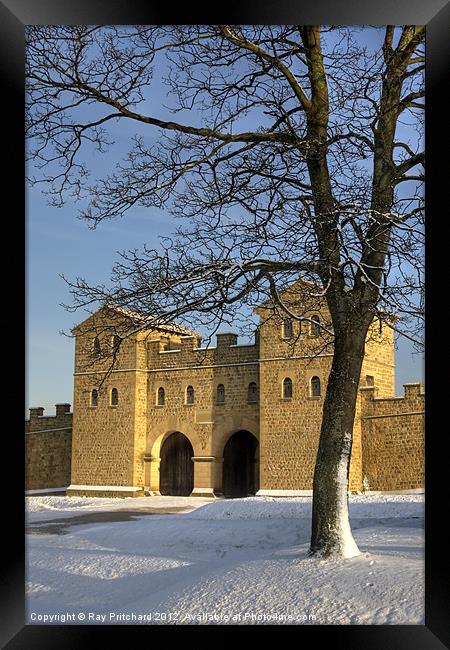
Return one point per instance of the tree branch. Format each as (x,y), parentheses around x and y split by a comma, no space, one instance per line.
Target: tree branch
(274,61)
(417,159)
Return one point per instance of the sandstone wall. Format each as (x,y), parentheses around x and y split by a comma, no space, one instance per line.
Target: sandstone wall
(393,439)
(48,446)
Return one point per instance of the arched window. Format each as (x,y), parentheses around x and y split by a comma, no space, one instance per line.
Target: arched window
(115,342)
(252,392)
(370,380)
(96,346)
(287,328)
(114,397)
(287,388)
(161,396)
(315,387)
(190,395)
(315,326)
(220,394)
(94,397)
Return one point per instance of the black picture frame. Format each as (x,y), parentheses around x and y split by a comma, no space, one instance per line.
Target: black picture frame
(435,14)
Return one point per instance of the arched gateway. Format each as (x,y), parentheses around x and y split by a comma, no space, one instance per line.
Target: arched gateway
(176,476)
(241,465)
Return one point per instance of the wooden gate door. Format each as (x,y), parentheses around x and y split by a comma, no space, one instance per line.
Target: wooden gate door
(176,469)
(240,465)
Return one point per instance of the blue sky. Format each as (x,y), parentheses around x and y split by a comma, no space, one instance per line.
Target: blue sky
(59,243)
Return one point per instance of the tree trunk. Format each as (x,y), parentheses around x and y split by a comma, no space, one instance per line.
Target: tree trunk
(331,532)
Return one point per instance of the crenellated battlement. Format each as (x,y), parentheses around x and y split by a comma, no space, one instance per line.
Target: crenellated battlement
(40,422)
(164,354)
(374,406)
(393,438)
(48,448)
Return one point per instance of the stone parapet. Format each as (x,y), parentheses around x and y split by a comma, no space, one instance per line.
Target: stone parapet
(393,439)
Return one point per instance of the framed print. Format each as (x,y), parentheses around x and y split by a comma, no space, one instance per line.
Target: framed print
(282,158)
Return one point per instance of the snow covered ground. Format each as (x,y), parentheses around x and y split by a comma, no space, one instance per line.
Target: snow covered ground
(94,561)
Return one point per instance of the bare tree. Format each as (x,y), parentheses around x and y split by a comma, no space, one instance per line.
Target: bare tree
(297,154)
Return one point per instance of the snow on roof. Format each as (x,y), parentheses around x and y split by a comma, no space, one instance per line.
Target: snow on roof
(140,318)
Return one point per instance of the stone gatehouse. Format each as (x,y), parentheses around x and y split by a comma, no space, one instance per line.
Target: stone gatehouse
(173,417)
